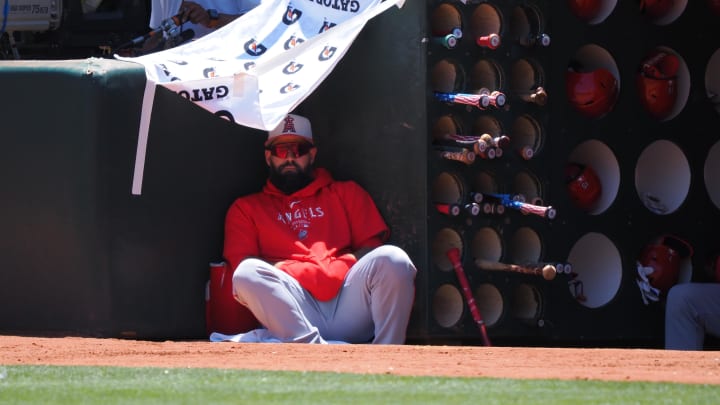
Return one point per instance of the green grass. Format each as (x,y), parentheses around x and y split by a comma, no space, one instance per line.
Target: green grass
(118,385)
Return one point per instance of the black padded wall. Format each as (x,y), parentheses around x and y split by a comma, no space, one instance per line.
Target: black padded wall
(653,157)
(54,274)
(80,253)
(657,173)
(163,240)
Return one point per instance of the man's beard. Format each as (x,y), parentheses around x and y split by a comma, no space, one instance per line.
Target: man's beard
(290,182)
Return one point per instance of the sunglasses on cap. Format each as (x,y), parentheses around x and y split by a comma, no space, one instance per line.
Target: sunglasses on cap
(298,149)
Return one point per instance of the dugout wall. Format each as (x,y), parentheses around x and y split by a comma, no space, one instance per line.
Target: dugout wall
(80,254)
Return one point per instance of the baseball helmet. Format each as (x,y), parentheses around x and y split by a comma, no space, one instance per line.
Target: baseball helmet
(657,83)
(593,93)
(583,185)
(585,10)
(664,255)
(656,8)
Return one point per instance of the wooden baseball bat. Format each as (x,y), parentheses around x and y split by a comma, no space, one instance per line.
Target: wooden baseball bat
(547,271)
(459,154)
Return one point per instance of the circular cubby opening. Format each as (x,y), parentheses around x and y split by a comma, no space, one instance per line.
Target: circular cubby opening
(527,304)
(486,74)
(525,246)
(528,185)
(519,27)
(443,241)
(526,26)
(487,244)
(592,176)
(445,19)
(662,12)
(525,77)
(712,174)
(484,182)
(445,127)
(487,124)
(447,306)
(662,177)
(592,12)
(486,20)
(447,76)
(712,80)
(489,302)
(447,188)
(526,136)
(598,268)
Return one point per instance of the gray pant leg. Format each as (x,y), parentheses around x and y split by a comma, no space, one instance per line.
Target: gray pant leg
(277,301)
(376,299)
(692,310)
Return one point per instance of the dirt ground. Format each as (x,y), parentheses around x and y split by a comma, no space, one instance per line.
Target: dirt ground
(425,360)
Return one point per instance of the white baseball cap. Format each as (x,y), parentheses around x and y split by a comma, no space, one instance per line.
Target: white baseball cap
(290,129)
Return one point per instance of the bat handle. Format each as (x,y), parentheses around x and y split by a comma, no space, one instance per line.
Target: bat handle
(454,255)
(545,212)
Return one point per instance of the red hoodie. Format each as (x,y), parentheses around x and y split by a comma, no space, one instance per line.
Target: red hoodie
(310,233)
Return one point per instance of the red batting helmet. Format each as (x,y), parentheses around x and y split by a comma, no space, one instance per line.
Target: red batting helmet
(657,83)
(656,8)
(593,93)
(585,10)
(583,185)
(663,255)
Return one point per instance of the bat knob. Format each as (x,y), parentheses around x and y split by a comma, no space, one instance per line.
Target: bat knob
(549,271)
(453,254)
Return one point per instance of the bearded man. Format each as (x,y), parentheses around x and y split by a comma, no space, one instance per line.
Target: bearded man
(310,255)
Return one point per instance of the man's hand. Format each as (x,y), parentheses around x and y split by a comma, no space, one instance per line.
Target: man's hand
(195,13)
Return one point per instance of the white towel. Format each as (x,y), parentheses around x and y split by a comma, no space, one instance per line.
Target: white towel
(256,336)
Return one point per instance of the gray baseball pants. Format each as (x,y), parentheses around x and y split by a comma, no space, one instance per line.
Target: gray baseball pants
(373,305)
(692,311)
